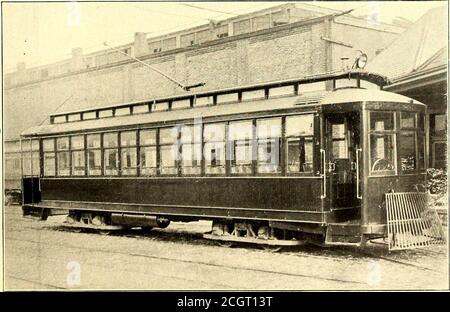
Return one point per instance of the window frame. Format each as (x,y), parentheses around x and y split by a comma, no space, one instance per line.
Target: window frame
(391,132)
(287,138)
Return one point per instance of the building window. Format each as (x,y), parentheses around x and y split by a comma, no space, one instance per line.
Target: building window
(78,155)
(214,148)
(94,155)
(187,40)
(110,154)
(128,153)
(280,18)
(191,150)
(261,22)
(169,44)
(299,142)
(222,31)
(154,47)
(382,140)
(203,36)
(240,142)
(241,27)
(169,152)
(147,141)
(268,132)
(63,156)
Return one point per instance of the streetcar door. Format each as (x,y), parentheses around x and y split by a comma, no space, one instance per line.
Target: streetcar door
(343,140)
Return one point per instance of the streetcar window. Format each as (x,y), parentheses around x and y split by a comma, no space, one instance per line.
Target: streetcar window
(382,158)
(78,163)
(49,157)
(268,132)
(49,164)
(240,146)
(122,111)
(74,117)
(160,107)
(94,162)
(63,159)
(168,150)
(59,119)
(48,145)
(111,161)
(89,115)
(147,137)
(382,143)
(300,125)
(203,101)
(381,121)
(93,141)
(94,155)
(110,140)
(299,137)
(191,149)
(214,148)
(407,151)
(110,154)
(147,141)
(227,98)
(105,113)
(140,109)
(78,156)
(281,91)
(253,95)
(128,153)
(181,104)
(407,120)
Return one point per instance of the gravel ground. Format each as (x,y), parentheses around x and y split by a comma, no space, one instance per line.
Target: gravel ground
(45,255)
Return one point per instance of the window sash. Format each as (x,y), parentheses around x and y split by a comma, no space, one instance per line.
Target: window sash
(300,154)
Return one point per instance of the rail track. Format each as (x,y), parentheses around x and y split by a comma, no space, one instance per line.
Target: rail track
(197,239)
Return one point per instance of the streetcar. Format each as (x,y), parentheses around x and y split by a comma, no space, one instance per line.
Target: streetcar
(278,163)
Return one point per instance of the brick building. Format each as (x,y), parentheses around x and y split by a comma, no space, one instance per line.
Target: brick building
(286,41)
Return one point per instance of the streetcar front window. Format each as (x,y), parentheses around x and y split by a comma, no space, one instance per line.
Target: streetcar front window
(382,143)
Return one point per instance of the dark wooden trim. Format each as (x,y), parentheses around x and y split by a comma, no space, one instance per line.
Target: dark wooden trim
(201,212)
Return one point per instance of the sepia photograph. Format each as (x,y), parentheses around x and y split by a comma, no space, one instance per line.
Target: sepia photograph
(224,146)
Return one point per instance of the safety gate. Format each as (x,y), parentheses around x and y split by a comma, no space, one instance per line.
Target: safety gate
(411,223)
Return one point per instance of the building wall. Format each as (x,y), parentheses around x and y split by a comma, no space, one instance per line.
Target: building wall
(288,51)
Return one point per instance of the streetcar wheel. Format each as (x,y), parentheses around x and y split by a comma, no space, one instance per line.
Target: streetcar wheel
(104,232)
(272,248)
(226,244)
(77,230)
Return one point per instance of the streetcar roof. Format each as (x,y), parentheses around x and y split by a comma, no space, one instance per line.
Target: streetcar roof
(317,98)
